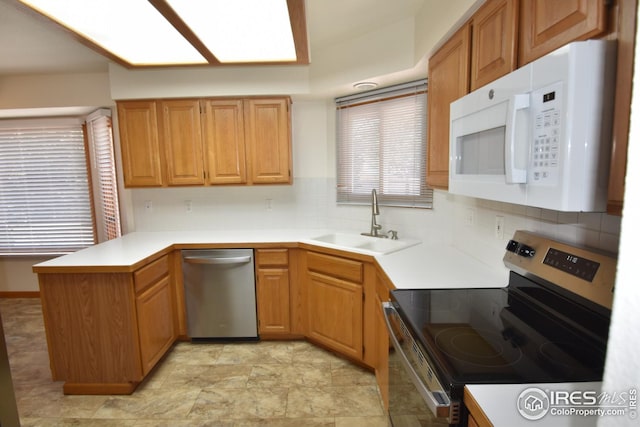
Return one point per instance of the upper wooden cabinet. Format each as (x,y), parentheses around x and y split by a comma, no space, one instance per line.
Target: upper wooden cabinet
(494,41)
(142,159)
(182,140)
(267,130)
(205,141)
(546,25)
(224,141)
(448,81)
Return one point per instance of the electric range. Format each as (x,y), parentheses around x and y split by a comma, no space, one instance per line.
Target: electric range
(548,325)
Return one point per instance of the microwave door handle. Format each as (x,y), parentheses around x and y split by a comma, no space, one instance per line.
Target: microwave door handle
(513,174)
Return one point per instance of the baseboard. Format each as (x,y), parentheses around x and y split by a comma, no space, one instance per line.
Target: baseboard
(19,294)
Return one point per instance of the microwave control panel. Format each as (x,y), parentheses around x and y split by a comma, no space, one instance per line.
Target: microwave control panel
(544,158)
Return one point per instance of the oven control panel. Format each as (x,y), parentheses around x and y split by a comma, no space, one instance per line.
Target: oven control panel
(578,266)
(580,270)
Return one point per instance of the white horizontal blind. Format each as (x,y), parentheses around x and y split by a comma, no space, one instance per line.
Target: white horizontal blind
(99,128)
(45,204)
(382,144)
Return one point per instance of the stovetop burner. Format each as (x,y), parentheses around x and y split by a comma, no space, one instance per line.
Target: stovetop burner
(481,348)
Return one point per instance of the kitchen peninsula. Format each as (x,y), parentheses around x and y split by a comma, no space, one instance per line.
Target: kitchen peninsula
(113,310)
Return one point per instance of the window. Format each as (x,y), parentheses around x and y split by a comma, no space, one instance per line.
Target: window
(381,144)
(105,187)
(45,202)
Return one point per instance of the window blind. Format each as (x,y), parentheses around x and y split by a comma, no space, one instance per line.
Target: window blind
(45,204)
(100,132)
(381,144)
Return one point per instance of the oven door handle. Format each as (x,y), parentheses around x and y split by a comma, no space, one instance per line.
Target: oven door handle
(439,406)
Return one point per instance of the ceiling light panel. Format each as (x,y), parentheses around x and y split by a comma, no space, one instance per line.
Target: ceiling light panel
(237,31)
(130,29)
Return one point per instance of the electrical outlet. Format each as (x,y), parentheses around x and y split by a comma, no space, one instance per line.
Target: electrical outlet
(188,206)
(470,218)
(269,204)
(148,206)
(499,227)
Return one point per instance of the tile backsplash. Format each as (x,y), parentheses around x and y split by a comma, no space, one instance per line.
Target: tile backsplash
(464,222)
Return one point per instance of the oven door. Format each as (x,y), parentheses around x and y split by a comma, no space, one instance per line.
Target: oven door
(415,395)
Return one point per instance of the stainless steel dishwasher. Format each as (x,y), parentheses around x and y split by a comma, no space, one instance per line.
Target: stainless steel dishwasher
(220,293)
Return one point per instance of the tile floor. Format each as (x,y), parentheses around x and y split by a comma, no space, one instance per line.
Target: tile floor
(287,384)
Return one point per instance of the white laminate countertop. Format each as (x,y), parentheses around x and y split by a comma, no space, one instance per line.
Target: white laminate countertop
(500,404)
(418,266)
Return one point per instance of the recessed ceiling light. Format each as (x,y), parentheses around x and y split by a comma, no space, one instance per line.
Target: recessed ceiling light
(130,29)
(365,85)
(183,32)
(240,30)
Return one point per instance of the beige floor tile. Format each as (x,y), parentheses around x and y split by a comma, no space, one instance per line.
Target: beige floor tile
(258,352)
(149,404)
(199,377)
(232,404)
(282,375)
(333,401)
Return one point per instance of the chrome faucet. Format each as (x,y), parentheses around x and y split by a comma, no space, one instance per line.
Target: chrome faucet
(375,227)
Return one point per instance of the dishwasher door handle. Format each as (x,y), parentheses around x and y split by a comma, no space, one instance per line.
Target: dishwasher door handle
(217,260)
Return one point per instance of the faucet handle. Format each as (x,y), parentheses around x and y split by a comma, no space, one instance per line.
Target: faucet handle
(393,234)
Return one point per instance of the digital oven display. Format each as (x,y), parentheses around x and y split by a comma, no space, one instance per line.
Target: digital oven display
(572,264)
(549,96)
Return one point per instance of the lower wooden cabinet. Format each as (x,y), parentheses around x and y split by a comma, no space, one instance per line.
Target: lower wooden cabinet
(155,324)
(272,292)
(106,331)
(382,338)
(334,303)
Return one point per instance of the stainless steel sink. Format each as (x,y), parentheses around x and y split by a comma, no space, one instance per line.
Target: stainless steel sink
(365,244)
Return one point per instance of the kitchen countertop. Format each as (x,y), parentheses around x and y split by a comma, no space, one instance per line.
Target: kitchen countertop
(419,266)
(500,404)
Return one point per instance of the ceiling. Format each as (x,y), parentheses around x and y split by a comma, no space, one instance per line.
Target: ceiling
(30,45)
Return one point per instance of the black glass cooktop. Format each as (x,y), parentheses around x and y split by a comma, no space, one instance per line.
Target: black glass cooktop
(523,333)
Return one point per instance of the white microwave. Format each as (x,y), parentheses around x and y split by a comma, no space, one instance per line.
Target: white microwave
(541,135)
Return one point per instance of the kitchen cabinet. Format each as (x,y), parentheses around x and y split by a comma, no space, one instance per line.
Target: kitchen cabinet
(625,12)
(106,330)
(142,158)
(267,134)
(206,141)
(154,308)
(383,286)
(335,302)
(182,141)
(493,41)
(224,141)
(546,25)
(477,417)
(448,81)
(272,293)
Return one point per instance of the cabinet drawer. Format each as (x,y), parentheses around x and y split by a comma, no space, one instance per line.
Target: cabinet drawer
(341,268)
(150,273)
(272,257)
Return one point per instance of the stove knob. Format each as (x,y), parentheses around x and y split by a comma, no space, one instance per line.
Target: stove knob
(526,251)
(512,246)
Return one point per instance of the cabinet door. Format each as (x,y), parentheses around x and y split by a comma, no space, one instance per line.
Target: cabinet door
(268,138)
(142,158)
(546,25)
(382,342)
(273,301)
(493,51)
(224,141)
(448,81)
(155,323)
(182,140)
(335,314)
